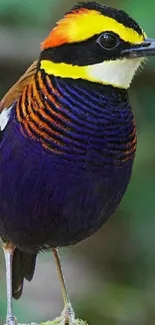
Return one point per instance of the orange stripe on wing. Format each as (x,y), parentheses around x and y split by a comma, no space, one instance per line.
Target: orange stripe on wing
(44,89)
(37,97)
(35,121)
(58,115)
(40,130)
(23,102)
(131,147)
(52,88)
(52,99)
(27,131)
(18,111)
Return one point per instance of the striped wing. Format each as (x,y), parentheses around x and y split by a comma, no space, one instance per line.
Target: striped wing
(14,93)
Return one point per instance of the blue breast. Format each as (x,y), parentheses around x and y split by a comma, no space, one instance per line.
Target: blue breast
(51,199)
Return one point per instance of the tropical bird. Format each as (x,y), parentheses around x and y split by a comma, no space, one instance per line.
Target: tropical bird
(68,139)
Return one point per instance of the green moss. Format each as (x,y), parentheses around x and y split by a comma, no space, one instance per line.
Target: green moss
(58,320)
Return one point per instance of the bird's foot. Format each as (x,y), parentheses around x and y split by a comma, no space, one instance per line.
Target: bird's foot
(68,315)
(11,320)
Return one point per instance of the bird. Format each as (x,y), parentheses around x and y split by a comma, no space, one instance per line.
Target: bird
(68,140)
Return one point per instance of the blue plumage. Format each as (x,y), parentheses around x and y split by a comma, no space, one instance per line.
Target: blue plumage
(49,199)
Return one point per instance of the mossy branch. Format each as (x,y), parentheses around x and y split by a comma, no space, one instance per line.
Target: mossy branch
(59,321)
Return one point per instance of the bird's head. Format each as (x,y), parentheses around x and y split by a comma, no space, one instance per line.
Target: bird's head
(96,43)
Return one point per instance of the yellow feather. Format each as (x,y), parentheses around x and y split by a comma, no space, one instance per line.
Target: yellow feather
(117,73)
(82,26)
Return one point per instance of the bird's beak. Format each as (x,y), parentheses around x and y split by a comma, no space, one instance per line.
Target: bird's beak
(147,48)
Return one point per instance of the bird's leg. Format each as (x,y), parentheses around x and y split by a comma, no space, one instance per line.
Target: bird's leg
(8,253)
(68,312)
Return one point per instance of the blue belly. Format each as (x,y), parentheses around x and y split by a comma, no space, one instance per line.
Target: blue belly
(46,200)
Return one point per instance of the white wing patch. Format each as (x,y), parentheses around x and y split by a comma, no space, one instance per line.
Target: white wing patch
(4,117)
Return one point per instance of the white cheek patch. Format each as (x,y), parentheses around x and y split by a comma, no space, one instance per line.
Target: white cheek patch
(118,73)
(4,117)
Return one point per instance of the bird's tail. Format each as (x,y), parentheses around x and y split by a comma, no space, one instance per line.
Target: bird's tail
(23,267)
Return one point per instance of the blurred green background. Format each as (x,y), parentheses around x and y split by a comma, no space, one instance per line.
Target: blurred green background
(111,276)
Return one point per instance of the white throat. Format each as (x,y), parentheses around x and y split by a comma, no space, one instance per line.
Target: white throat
(118,73)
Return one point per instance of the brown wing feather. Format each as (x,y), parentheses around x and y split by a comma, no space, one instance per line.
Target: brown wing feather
(16,90)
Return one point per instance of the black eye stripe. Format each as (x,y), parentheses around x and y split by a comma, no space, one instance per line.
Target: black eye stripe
(87,52)
(108,40)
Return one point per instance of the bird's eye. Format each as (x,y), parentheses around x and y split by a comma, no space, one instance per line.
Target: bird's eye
(107,41)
